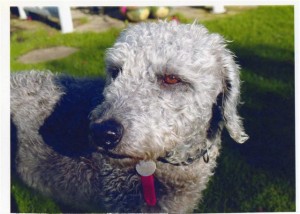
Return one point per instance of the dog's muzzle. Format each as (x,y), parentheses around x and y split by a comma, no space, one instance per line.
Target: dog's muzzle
(107,135)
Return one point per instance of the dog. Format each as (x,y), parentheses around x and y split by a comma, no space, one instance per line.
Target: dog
(144,140)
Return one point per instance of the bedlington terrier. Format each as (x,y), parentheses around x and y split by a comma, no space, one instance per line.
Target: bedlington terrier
(146,139)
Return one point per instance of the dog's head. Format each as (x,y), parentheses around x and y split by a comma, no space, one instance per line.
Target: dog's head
(169,87)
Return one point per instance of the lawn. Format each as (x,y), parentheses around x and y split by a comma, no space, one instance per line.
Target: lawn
(256,176)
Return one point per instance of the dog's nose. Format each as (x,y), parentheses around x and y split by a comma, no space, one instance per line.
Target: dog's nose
(107,134)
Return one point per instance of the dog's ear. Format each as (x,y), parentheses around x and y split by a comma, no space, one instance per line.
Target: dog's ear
(231,97)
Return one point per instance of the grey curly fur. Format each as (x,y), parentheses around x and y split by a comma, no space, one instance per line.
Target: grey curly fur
(51,115)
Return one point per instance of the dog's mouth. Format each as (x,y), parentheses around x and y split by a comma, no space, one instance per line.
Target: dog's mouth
(106,136)
(168,158)
(113,155)
(135,159)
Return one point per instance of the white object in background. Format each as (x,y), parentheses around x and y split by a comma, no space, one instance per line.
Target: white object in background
(217,9)
(65,18)
(22,13)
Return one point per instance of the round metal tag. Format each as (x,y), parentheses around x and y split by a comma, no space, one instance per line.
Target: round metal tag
(146,168)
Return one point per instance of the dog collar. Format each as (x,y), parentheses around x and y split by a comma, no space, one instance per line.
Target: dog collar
(146,171)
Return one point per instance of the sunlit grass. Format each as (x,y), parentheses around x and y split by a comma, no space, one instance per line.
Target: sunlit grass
(88,61)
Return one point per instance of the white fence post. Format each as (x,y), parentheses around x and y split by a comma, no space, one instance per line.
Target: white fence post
(218,9)
(22,13)
(65,18)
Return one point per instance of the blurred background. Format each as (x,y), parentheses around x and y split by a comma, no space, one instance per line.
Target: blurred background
(258,176)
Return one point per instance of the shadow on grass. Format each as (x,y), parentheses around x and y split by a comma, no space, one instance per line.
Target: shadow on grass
(268,62)
(270,115)
(272,131)
(260,174)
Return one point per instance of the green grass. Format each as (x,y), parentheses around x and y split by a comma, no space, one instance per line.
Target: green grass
(256,176)
(88,61)
(25,200)
(263,40)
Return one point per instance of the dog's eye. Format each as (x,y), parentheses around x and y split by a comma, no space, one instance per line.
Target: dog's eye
(171,79)
(114,71)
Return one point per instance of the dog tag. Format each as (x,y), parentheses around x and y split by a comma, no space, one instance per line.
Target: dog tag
(146,170)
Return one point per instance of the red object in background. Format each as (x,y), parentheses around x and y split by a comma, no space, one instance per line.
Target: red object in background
(123,10)
(149,189)
(175,19)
